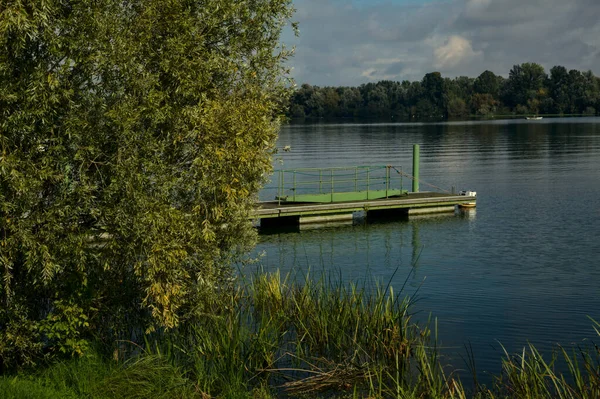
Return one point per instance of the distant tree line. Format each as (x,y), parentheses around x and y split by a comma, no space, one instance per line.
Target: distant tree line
(527,90)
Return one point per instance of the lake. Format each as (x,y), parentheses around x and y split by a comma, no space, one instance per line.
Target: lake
(522,267)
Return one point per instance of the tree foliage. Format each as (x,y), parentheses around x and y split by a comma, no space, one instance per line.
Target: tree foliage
(527,89)
(134,137)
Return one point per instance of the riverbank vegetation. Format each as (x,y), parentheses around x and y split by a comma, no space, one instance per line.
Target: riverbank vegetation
(528,90)
(276,337)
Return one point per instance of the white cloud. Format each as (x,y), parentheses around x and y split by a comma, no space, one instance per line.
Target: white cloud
(369,72)
(455,51)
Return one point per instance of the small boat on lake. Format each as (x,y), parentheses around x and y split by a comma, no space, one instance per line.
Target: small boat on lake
(534,118)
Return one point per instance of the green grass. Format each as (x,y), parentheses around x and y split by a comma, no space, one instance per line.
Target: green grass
(75,378)
(25,388)
(275,337)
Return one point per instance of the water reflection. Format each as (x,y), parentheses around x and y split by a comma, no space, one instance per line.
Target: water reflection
(364,250)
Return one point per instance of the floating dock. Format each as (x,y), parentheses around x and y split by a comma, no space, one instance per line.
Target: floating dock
(275,214)
(326,195)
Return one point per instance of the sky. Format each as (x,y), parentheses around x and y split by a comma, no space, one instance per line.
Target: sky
(350,42)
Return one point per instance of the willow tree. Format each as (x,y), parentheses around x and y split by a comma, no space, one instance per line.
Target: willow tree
(134,137)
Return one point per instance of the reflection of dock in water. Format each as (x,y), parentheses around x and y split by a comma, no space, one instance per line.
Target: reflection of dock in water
(369,250)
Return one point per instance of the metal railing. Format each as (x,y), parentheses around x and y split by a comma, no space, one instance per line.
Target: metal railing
(337,184)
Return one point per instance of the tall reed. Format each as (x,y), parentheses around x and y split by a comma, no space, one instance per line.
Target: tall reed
(313,336)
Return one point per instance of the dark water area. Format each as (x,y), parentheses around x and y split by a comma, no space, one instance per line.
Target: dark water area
(522,267)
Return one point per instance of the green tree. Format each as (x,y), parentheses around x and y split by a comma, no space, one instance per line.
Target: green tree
(331,101)
(461,87)
(459,92)
(483,104)
(592,93)
(527,90)
(315,104)
(350,102)
(435,96)
(133,139)
(526,85)
(378,103)
(559,89)
(299,100)
(487,83)
(576,90)
(457,108)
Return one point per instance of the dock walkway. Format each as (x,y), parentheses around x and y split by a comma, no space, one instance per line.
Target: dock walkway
(274,213)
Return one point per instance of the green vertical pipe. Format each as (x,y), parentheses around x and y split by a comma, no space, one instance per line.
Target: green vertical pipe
(415,173)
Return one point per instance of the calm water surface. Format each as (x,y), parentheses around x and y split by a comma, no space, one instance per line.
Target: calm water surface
(523,267)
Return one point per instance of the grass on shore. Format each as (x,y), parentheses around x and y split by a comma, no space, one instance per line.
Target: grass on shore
(277,338)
